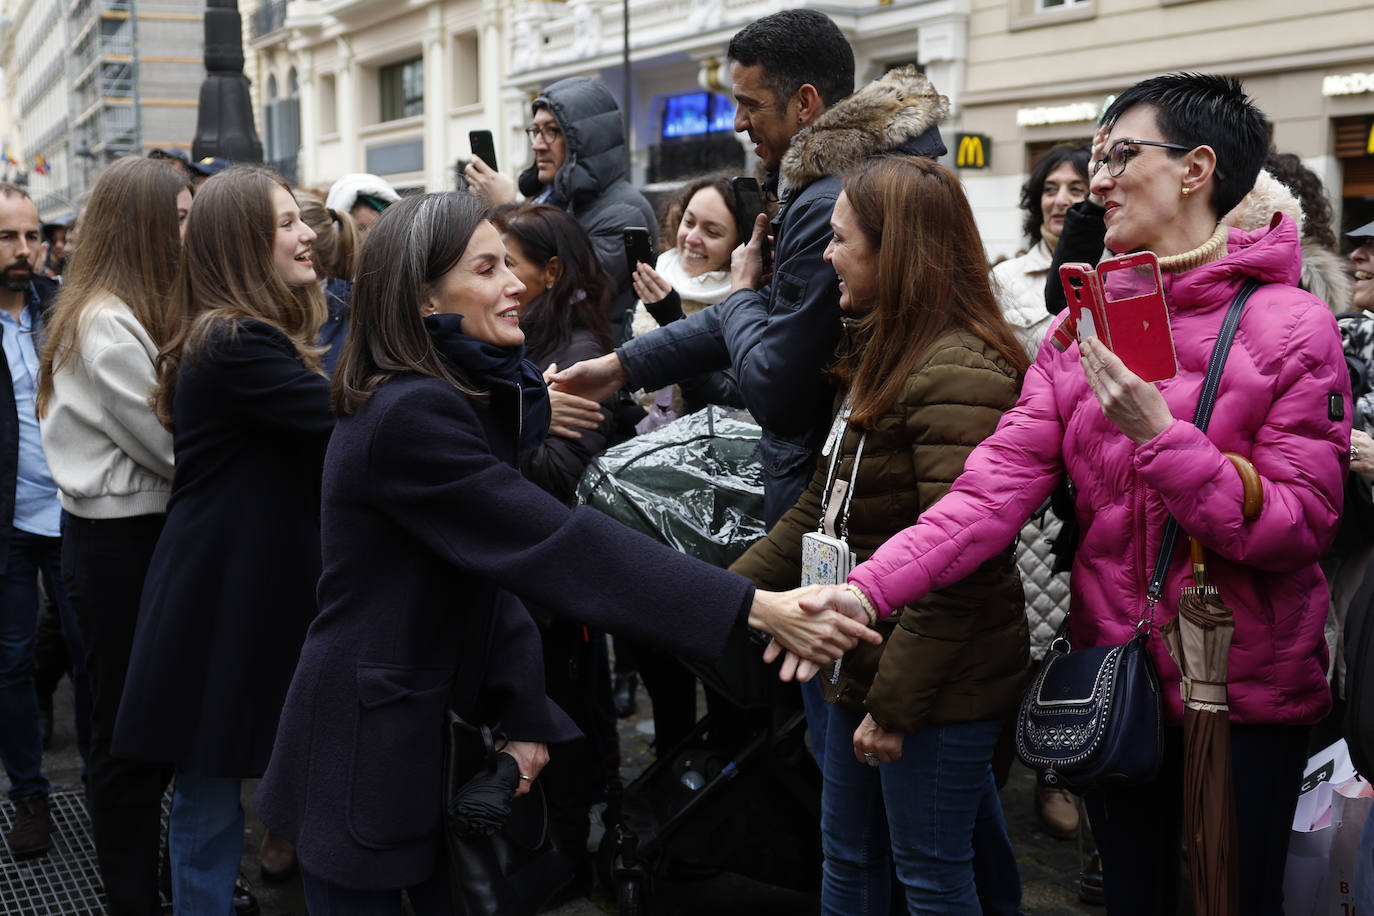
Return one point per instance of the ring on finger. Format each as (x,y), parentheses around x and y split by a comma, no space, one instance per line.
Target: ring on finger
(525,778)
(871,759)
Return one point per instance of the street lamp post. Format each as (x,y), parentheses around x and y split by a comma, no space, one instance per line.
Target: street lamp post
(224,123)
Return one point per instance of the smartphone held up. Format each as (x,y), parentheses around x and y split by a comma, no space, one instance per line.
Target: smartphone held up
(483,146)
(749,204)
(639,248)
(1128,315)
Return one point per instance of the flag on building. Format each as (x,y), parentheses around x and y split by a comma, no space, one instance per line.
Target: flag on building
(40,164)
(9,158)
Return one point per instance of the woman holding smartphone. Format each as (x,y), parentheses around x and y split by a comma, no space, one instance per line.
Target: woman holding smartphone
(928,367)
(1180,152)
(702,226)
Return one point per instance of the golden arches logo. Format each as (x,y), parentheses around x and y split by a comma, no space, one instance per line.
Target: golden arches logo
(971,153)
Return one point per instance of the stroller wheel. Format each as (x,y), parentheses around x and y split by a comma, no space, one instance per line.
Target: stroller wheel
(630,897)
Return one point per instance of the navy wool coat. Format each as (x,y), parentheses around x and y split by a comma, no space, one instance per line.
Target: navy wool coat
(231,587)
(427,521)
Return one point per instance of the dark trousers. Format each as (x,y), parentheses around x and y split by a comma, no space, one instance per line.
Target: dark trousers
(1139,830)
(21,744)
(51,659)
(104,562)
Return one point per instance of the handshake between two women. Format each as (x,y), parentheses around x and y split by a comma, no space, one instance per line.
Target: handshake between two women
(811,626)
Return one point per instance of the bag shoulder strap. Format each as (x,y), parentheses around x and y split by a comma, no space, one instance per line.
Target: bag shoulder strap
(1201,418)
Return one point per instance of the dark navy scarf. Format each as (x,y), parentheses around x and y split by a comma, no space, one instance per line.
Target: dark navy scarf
(498,369)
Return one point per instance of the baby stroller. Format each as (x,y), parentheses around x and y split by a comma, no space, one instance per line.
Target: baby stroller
(740,793)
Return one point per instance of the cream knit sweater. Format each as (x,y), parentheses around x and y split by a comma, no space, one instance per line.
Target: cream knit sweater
(109,455)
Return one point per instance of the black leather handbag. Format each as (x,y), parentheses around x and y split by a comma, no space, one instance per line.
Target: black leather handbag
(1091,718)
(503,859)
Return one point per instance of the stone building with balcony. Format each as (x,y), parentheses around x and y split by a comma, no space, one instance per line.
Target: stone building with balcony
(1041,71)
(390,88)
(95,80)
(678,100)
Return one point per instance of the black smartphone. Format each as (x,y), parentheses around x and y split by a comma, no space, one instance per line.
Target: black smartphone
(484,147)
(639,249)
(749,204)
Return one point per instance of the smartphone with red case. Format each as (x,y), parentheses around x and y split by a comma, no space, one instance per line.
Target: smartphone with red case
(1139,317)
(1134,325)
(1083,290)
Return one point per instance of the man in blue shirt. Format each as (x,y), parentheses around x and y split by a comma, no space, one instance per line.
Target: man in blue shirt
(30,519)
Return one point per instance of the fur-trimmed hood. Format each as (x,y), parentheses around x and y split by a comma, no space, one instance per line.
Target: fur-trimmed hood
(1323,271)
(899,112)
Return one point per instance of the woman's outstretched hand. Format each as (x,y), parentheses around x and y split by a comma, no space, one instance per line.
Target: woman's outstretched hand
(1134,405)
(814,633)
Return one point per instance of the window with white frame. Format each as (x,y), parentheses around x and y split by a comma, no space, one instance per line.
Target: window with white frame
(1042,6)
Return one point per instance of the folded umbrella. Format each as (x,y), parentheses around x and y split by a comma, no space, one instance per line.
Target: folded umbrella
(482,805)
(1199,640)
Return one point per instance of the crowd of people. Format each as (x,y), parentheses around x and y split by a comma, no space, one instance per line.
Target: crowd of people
(294,472)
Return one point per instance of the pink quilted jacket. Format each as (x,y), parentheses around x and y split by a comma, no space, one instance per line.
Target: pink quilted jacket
(1284,403)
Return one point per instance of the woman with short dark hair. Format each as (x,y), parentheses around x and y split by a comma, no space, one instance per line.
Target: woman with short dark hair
(1179,152)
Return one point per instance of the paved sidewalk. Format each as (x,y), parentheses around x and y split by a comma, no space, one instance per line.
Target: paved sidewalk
(67,882)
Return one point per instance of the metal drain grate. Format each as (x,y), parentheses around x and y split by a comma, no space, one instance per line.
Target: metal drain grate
(66,881)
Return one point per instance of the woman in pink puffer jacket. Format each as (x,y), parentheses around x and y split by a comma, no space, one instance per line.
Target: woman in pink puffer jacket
(1176,152)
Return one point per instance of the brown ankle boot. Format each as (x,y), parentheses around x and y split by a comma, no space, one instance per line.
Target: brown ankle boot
(30,835)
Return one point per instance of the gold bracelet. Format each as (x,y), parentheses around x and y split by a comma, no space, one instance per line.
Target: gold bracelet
(868,607)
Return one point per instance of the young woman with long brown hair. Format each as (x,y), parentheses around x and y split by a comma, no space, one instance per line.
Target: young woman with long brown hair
(929,366)
(112,461)
(231,586)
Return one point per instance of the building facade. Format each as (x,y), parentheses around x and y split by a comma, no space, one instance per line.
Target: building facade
(376,86)
(1041,71)
(93,80)
(679,105)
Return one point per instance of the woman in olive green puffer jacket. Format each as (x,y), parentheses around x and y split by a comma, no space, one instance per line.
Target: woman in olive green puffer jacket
(925,377)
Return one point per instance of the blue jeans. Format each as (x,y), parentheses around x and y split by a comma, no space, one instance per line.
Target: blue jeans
(21,743)
(817,715)
(917,813)
(205,843)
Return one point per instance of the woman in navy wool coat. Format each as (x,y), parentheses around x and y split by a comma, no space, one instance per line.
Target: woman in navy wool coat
(231,586)
(427,521)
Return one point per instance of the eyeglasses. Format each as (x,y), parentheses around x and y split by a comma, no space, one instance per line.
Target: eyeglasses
(549,133)
(1119,154)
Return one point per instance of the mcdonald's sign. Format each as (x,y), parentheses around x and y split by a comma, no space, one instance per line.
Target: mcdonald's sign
(972,151)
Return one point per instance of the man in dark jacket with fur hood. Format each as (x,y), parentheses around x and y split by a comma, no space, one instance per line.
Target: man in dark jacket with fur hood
(792,75)
(580,165)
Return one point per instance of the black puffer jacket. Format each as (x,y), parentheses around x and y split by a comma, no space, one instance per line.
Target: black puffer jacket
(592,185)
